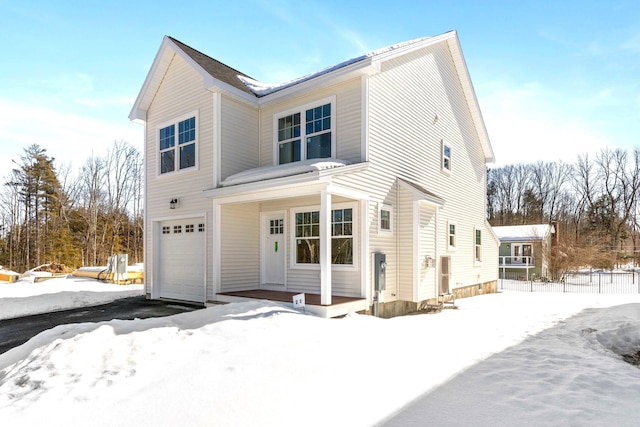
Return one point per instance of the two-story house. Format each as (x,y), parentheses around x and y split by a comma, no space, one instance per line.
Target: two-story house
(361,186)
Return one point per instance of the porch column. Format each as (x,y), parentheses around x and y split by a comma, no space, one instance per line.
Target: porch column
(325,247)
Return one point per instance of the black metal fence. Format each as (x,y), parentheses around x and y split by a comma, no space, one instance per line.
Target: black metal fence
(593,282)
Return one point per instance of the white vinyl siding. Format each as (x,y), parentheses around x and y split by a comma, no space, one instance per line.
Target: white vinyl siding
(406,236)
(240,243)
(238,138)
(181,93)
(427,249)
(403,103)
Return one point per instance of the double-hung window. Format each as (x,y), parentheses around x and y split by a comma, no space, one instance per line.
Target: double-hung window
(478,245)
(305,133)
(307,236)
(451,232)
(446,157)
(177,144)
(385,219)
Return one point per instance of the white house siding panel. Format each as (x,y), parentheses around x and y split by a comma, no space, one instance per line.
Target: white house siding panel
(415,102)
(384,242)
(427,249)
(180,93)
(239,137)
(406,234)
(240,243)
(348,120)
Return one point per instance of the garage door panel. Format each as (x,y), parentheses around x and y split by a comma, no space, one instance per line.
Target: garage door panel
(182,259)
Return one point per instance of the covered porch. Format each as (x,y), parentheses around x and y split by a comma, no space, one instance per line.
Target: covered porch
(300,234)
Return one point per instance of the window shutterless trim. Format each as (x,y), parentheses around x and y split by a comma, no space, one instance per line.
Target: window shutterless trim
(355,219)
(299,142)
(389,209)
(177,145)
(445,157)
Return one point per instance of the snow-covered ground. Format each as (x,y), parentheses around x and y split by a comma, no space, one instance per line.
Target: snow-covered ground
(25,297)
(502,359)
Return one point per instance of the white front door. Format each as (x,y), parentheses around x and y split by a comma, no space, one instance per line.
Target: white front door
(273,248)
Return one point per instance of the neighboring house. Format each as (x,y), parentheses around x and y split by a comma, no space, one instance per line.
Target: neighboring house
(525,250)
(314,186)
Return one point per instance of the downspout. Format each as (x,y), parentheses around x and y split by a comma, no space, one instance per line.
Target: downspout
(436,264)
(397,231)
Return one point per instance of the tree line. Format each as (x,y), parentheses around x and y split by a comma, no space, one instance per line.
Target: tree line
(595,203)
(50,214)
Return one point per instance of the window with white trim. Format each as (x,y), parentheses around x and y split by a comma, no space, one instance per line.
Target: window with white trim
(478,245)
(385,219)
(451,233)
(305,133)
(177,144)
(446,157)
(307,236)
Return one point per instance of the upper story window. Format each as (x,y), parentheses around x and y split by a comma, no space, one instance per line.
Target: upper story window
(306,133)
(452,235)
(177,144)
(446,157)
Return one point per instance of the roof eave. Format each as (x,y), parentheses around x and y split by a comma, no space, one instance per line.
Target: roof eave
(359,68)
(472,101)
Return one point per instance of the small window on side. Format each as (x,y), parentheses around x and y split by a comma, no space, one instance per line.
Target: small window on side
(446,157)
(385,219)
(451,232)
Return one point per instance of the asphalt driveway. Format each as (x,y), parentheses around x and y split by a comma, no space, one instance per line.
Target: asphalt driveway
(14,332)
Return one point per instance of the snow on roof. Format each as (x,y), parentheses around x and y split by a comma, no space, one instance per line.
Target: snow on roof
(262,89)
(523,232)
(279,171)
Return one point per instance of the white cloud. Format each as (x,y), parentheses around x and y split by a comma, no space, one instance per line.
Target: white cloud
(67,137)
(530,123)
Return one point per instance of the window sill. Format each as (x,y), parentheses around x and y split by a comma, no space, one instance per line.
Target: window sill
(180,172)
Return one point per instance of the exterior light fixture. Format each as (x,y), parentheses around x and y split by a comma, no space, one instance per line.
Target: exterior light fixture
(173,203)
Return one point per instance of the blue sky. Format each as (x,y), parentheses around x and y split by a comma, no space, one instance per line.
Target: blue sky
(553,78)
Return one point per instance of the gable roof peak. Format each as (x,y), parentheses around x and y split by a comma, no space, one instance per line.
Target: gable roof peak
(213,67)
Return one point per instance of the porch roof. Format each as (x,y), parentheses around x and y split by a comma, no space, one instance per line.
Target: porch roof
(280,183)
(421,193)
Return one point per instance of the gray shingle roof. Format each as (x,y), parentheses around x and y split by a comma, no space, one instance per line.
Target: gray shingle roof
(215,68)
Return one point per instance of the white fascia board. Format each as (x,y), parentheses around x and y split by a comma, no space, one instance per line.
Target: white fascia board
(214,85)
(264,186)
(402,50)
(470,95)
(289,186)
(152,81)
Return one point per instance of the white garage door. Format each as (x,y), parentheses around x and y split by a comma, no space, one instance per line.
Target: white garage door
(181,260)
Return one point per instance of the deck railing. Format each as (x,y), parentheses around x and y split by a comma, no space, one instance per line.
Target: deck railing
(598,282)
(517,261)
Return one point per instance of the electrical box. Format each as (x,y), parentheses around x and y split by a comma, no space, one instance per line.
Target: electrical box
(380,271)
(120,262)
